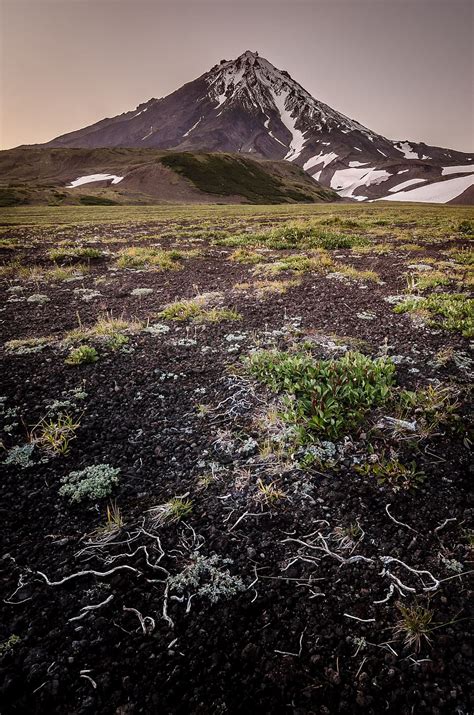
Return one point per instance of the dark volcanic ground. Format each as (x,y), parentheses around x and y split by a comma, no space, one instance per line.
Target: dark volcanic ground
(313,634)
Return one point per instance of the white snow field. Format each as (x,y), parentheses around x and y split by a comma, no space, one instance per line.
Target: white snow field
(297,141)
(321,158)
(438,193)
(466,169)
(90,178)
(405,184)
(346,181)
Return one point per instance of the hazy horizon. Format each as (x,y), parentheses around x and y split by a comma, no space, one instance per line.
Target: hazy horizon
(403,68)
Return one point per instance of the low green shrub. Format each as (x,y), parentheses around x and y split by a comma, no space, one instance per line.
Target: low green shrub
(82,354)
(93,482)
(452,311)
(324,398)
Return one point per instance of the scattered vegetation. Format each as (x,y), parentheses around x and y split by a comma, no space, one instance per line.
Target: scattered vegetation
(451,311)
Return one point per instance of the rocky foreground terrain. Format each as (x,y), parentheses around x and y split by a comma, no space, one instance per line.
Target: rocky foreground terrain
(236,447)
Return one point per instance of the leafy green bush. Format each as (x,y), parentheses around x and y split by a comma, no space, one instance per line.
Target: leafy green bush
(93,482)
(456,311)
(324,398)
(82,354)
(466,227)
(392,473)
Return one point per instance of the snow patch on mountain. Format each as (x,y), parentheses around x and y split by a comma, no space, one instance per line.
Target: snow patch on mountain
(467,168)
(91,178)
(407,150)
(186,134)
(321,158)
(346,181)
(440,192)
(406,184)
(297,141)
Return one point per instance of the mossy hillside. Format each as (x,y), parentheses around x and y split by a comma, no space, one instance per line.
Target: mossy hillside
(226,176)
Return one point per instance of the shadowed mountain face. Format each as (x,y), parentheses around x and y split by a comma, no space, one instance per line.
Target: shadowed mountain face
(249,106)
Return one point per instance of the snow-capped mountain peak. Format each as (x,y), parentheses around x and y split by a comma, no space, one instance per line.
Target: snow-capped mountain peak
(248,105)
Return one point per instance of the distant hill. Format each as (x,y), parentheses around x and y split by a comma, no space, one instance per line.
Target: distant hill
(118,175)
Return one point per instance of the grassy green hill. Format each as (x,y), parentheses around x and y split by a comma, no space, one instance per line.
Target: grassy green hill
(34,175)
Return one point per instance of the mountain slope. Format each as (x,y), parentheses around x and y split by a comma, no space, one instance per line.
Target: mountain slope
(37,174)
(249,106)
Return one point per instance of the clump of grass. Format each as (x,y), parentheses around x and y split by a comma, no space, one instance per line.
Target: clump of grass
(195,309)
(378,248)
(423,281)
(462,255)
(93,482)
(243,255)
(107,329)
(139,257)
(8,645)
(113,522)
(414,625)
(171,511)
(340,221)
(183,309)
(409,247)
(64,253)
(451,311)
(323,398)
(269,493)
(82,354)
(357,275)
(37,273)
(55,435)
(216,315)
(319,262)
(432,407)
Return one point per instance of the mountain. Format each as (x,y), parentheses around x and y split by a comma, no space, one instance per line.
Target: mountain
(247,105)
(135,176)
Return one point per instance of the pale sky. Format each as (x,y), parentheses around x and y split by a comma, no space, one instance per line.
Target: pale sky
(403,68)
